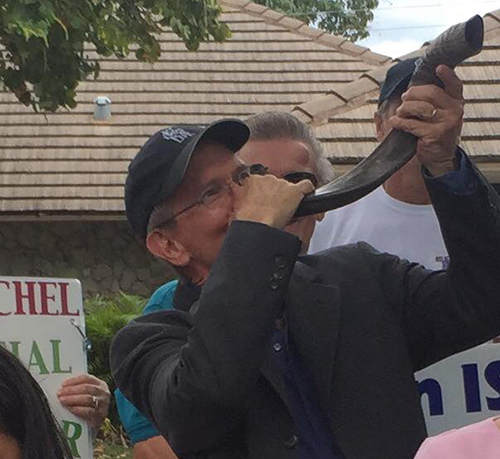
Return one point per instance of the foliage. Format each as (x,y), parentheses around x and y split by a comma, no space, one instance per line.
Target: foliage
(105,450)
(45,40)
(104,317)
(349,18)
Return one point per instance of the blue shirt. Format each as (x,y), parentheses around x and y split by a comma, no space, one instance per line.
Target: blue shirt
(315,440)
(137,426)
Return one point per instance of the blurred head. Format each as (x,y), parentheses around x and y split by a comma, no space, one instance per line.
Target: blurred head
(395,84)
(291,151)
(28,429)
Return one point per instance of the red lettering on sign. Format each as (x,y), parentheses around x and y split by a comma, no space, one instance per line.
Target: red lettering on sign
(8,286)
(42,298)
(63,286)
(45,298)
(30,296)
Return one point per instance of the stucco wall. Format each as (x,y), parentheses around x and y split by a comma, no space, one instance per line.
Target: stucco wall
(103,255)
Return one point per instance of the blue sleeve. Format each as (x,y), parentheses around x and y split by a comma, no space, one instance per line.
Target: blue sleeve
(137,426)
(461,182)
(162,298)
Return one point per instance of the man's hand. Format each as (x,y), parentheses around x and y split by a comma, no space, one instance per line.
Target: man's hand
(435,116)
(87,397)
(269,200)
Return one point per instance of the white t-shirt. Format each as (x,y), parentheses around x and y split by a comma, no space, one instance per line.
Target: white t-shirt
(407,230)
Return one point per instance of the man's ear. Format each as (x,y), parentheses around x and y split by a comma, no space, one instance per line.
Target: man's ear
(379,121)
(163,246)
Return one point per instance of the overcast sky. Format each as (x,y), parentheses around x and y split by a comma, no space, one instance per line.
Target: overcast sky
(401,26)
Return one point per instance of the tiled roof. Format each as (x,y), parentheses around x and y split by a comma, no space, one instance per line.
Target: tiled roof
(344,116)
(66,162)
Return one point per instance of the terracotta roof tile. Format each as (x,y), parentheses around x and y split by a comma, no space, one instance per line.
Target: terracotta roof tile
(333,40)
(311,31)
(300,27)
(290,23)
(349,134)
(314,109)
(255,8)
(272,15)
(67,162)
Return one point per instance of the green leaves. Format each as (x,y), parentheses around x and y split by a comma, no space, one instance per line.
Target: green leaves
(349,18)
(104,317)
(45,40)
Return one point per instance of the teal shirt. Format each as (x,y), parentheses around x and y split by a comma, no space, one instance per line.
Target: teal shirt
(137,426)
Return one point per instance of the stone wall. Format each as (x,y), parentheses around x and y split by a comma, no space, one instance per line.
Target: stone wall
(104,255)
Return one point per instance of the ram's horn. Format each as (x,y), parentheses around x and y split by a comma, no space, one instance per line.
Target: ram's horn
(450,48)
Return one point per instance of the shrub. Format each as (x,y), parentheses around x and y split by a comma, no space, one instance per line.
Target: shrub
(104,317)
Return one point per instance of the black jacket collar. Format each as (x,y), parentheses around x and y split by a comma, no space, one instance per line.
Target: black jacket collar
(185,295)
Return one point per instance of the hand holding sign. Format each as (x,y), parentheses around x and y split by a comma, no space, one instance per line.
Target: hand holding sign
(87,397)
(42,323)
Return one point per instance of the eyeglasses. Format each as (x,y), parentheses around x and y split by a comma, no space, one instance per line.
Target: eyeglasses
(211,197)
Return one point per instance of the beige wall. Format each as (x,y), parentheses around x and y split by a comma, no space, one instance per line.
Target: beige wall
(103,255)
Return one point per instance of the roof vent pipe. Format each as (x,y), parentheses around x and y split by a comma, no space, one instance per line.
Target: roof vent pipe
(102,108)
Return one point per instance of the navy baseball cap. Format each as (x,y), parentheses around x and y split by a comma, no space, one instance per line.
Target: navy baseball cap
(159,167)
(397,79)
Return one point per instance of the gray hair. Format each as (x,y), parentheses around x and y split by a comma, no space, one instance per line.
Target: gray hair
(161,217)
(283,125)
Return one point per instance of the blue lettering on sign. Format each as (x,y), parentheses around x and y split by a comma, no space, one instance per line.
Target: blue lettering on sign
(432,389)
(471,386)
(492,375)
(472,389)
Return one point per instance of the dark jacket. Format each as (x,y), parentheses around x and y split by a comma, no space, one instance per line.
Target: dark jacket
(363,322)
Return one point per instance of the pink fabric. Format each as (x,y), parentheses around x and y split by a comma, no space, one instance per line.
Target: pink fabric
(477,441)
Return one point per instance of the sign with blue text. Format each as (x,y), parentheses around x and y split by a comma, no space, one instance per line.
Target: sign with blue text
(462,389)
(42,323)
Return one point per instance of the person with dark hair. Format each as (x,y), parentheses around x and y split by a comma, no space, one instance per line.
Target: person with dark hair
(28,429)
(272,355)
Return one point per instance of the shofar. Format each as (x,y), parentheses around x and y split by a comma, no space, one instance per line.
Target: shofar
(450,48)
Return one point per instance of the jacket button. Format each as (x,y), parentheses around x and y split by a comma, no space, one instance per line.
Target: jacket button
(280,261)
(274,283)
(291,442)
(279,274)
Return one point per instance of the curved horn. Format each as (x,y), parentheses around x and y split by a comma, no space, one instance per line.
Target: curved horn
(450,48)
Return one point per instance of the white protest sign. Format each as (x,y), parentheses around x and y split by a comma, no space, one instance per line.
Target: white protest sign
(462,389)
(42,323)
